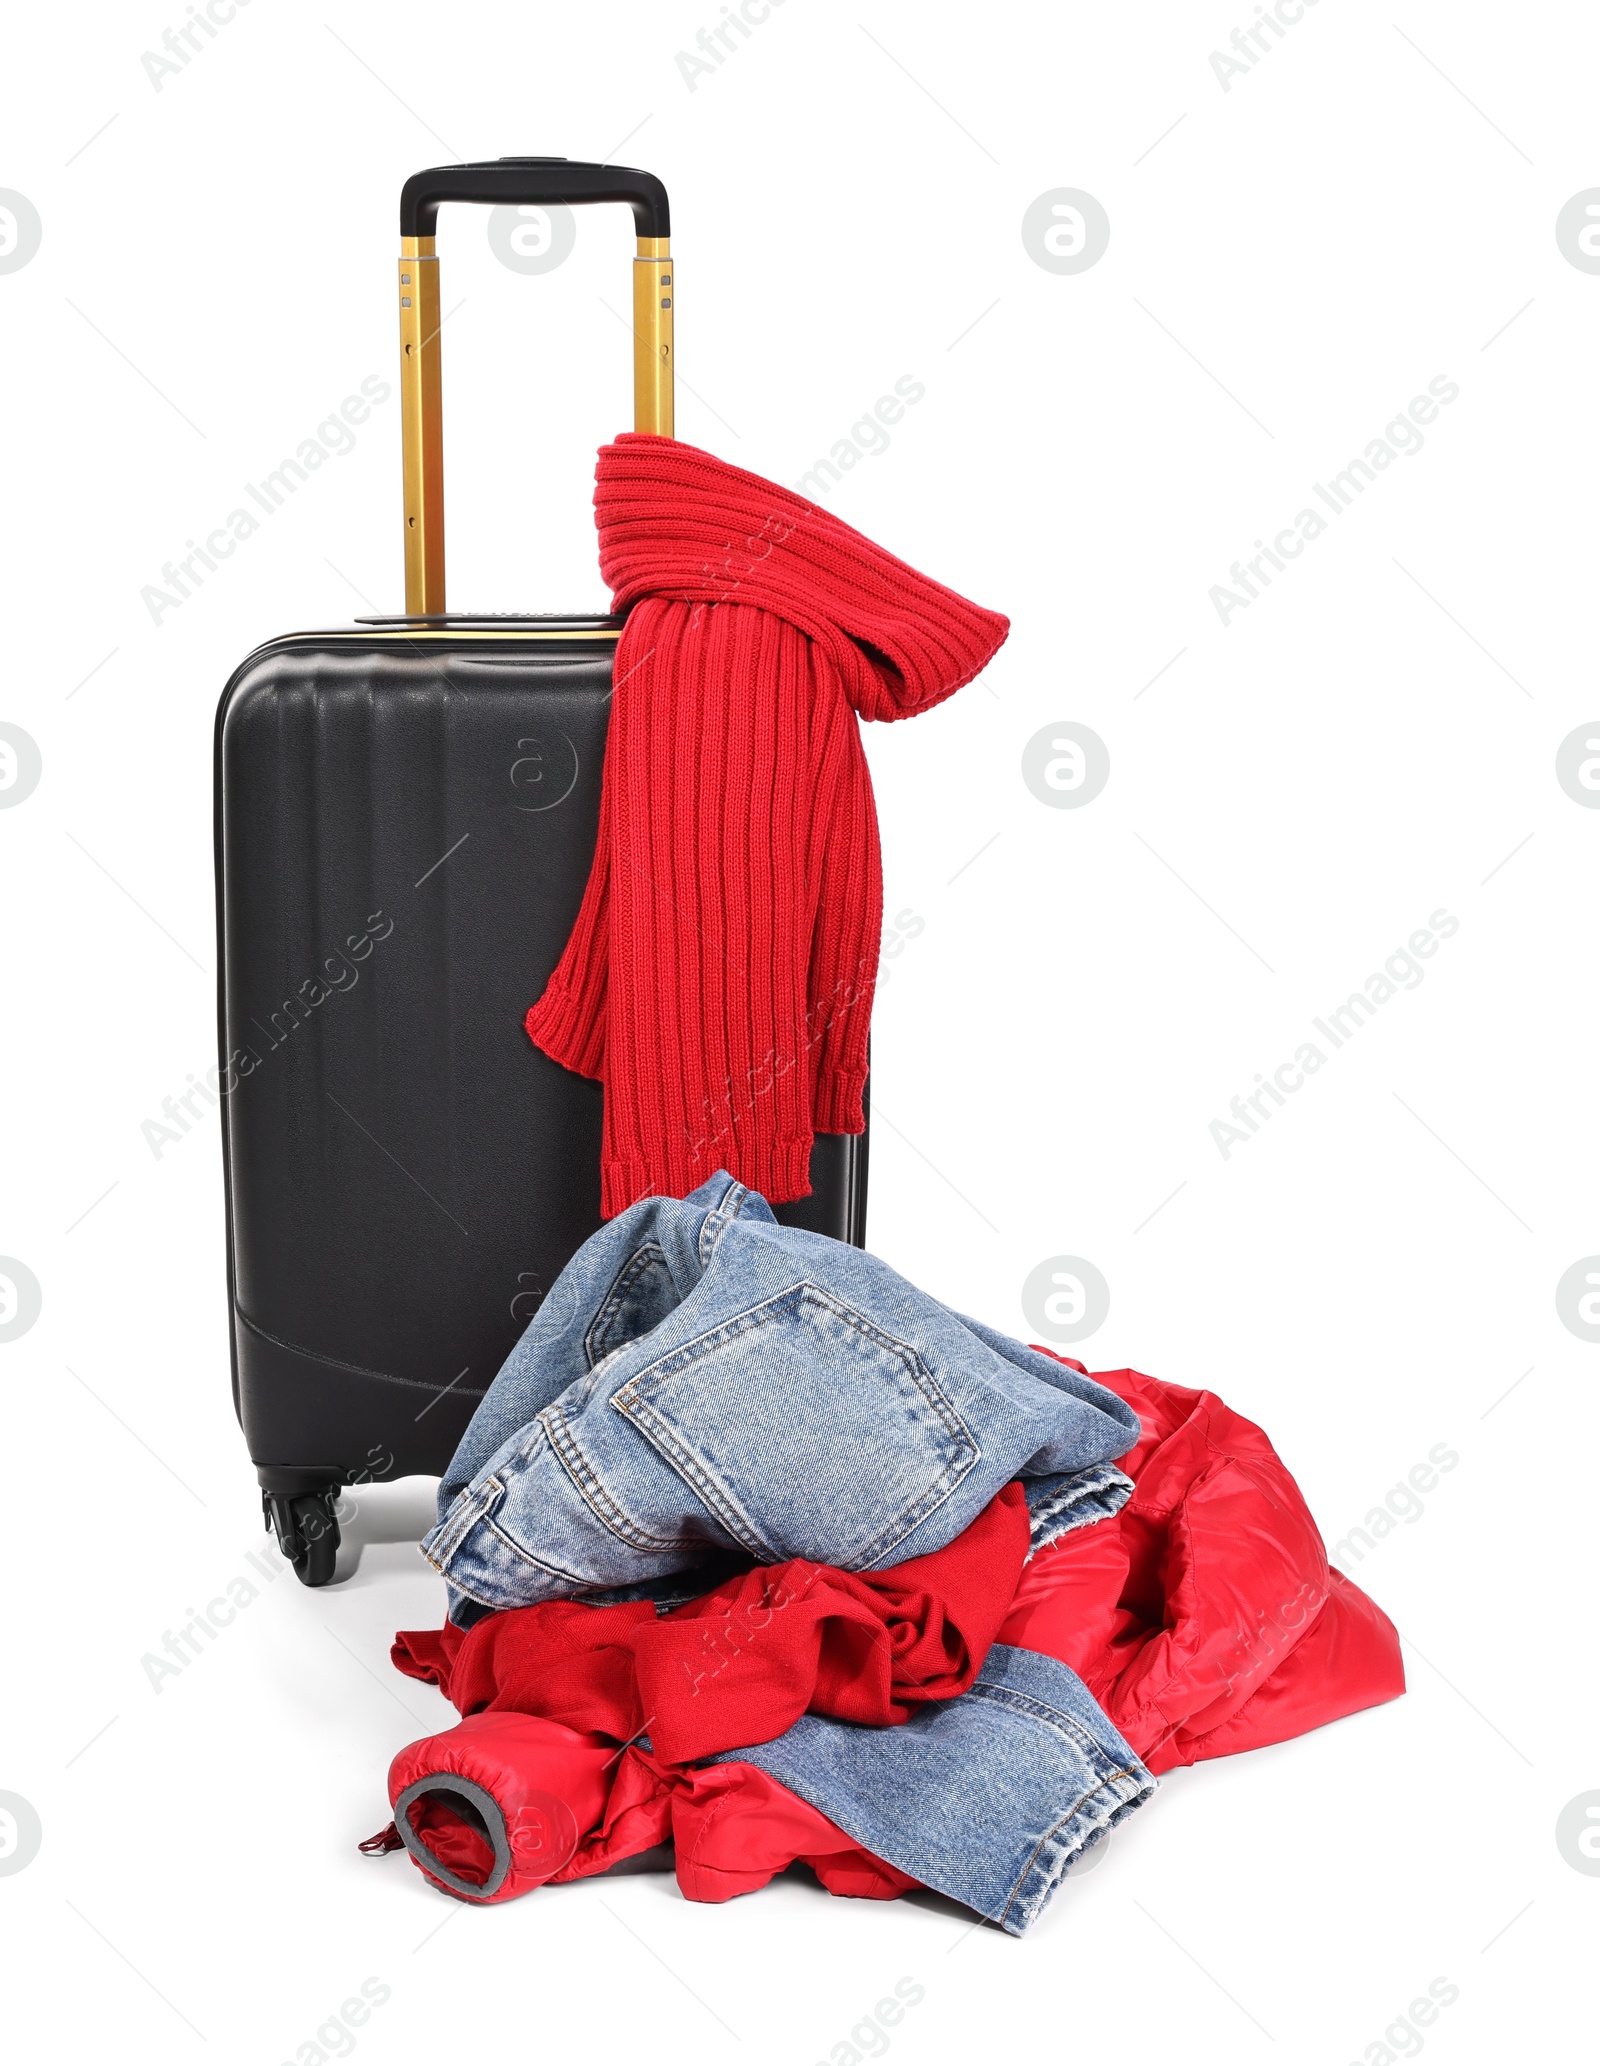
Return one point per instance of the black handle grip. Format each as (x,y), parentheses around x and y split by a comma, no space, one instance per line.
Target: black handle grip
(532,183)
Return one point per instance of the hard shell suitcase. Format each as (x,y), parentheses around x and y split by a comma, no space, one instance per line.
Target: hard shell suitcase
(406,812)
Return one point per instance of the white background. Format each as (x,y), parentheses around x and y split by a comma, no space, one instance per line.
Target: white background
(1372,739)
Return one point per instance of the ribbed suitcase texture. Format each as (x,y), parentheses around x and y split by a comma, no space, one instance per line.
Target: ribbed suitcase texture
(405,820)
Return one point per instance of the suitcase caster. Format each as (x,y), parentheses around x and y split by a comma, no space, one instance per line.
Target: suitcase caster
(307,1531)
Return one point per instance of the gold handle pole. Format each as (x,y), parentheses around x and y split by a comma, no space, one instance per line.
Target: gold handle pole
(422,407)
(652,337)
(421,427)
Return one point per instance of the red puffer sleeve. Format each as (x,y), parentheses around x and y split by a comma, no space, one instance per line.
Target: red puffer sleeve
(1205,1618)
(1348,1659)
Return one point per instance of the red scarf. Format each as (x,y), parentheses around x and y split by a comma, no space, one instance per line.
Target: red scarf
(719,978)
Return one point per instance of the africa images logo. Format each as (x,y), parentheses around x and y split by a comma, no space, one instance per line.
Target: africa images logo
(1402,970)
(1402,437)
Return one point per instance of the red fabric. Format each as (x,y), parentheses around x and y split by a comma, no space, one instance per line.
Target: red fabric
(1204,1618)
(574,1806)
(735,1826)
(719,978)
(742,1663)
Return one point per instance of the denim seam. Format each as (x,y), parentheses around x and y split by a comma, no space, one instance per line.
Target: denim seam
(591,1384)
(591,1490)
(632,1270)
(443,1542)
(630,1401)
(710,1494)
(1129,1784)
(701,1345)
(468,1592)
(1052,1717)
(757,1315)
(537,1436)
(526,1556)
(1110,1780)
(717,1219)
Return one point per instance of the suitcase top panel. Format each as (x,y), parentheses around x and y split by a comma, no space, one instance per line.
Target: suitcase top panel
(554,630)
(512,620)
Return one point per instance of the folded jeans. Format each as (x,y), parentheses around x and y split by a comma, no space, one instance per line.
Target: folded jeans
(703,1386)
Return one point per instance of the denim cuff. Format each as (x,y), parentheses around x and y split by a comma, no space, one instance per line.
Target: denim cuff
(1071,1500)
(988,1798)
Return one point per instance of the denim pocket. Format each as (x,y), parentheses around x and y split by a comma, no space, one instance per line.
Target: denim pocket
(804,1429)
(541,1526)
(642,1294)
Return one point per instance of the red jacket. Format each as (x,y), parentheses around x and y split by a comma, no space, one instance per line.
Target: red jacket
(1205,1617)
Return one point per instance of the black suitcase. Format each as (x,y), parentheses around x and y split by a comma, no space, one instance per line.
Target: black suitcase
(406,813)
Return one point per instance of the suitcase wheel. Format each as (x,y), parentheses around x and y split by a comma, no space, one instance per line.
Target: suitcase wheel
(307,1532)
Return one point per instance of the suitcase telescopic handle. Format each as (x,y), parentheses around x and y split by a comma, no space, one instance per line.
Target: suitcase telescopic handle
(519,183)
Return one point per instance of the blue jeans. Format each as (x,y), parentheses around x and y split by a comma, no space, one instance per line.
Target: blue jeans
(988,1798)
(703,1384)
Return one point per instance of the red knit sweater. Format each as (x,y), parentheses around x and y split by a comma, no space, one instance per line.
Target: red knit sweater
(719,978)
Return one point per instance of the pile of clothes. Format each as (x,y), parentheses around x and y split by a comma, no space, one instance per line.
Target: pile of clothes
(757,1550)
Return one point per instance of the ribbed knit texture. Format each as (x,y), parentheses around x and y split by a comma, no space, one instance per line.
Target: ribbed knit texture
(719,978)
